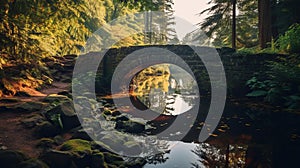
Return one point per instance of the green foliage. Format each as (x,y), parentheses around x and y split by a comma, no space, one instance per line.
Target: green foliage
(290,41)
(280,84)
(77,147)
(56,120)
(217,25)
(32,30)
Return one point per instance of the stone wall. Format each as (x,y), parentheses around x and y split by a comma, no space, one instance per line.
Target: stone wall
(238,67)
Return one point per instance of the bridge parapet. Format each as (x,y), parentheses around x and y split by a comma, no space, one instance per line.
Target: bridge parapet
(238,67)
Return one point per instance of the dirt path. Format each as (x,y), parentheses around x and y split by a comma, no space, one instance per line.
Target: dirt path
(13,135)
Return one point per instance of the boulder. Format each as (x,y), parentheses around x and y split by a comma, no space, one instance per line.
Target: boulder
(116,113)
(122,118)
(77,147)
(46,129)
(130,126)
(58,159)
(64,113)
(46,143)
(82,153)
(133,148)
(81,134)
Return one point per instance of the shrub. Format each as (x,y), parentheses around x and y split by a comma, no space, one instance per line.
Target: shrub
(280,84)
(290,41)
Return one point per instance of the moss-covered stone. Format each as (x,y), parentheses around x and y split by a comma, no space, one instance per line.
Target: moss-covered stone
(130,126)
(58,159)
(116,113)
(81,134)
(77,146)
(133,148)
(63,115)
(46,129)
(46,143)
(107,112)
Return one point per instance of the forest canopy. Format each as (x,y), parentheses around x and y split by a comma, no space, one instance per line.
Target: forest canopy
(33,31)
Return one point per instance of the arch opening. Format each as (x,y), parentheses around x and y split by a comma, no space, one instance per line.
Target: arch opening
(164,88)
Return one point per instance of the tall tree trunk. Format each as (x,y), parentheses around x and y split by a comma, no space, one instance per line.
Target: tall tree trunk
(233,43)
(264,22)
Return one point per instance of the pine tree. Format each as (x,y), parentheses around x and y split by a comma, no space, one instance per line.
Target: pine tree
(219,23)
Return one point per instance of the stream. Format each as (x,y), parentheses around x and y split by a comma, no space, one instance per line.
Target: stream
(248,134)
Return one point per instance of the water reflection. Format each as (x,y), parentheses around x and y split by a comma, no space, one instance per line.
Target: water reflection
(225,156)
(200,155)
(165,88)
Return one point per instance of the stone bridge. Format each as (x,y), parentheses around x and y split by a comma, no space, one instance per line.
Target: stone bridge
(238,67)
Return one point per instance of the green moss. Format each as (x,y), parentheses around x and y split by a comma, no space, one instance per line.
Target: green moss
(77,146)
(46,143)
(107,112)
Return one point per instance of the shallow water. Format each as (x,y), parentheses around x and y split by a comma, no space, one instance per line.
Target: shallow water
(246,135)
(180,156)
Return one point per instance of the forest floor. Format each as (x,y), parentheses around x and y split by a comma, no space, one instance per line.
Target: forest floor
(13,135)
(240,128)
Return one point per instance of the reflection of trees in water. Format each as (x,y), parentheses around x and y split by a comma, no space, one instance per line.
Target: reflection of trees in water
(230,156)
(155,86)
(158,158)
(209,156)
(154,77)
(191,100)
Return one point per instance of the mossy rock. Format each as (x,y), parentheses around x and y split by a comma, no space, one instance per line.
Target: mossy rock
(77,147)
(81,134)
(58,159)
(46,143)
(116,113)
(107,112)
(133,147)
(65,113)
(100,146)
(46,129)
(113,139)
(130,126)
(122,118)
